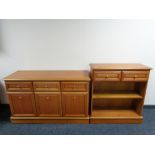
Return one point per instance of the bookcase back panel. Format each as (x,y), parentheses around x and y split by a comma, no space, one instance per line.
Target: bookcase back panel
(112,104)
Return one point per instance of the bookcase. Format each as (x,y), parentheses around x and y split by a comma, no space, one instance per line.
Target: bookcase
(118,92)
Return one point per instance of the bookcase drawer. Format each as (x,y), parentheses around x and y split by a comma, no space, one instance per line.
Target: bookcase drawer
(19,86)
(135,75)
(107,75)
(46,86)
(74,86)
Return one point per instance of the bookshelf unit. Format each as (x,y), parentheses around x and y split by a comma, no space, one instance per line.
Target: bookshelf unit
(118,92)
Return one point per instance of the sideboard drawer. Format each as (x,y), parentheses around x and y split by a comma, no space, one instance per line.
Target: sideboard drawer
(46,86)
(19,86)
(74,86)
(107,75)
(135,75)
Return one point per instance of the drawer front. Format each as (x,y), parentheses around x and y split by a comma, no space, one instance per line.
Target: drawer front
(46,86)
(107,75)
(74,86)
(19,86)
(135,75)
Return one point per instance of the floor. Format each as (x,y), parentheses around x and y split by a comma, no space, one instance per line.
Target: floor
(147,128)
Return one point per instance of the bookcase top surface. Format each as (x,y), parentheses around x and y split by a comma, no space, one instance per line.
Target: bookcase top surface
(39,75)
(119,66)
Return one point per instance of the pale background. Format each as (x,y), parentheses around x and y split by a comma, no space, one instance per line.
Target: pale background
(74,44)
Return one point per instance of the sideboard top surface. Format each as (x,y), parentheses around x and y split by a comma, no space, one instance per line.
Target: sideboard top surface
(47,75)
(119,66)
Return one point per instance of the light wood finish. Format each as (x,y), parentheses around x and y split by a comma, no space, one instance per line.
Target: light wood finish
(74,86)
(34,75)
(55,120)
(19,86)
(46,86)
(127,113)
(48,96)
(118,92)
(116,120)
(48,104)
(135,75)
(115,116)
(119,66)
(123,95)
(22,104)
(75,104)
(107,75)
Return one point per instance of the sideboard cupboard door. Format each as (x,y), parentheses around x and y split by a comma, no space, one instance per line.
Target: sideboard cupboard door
(48,104)
(22,104)
(75,104)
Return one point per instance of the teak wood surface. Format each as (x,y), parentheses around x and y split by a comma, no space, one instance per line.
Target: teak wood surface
(119,66)
(38,75)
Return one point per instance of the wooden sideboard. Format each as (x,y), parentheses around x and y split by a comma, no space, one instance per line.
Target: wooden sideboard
(48,96)
(118,92)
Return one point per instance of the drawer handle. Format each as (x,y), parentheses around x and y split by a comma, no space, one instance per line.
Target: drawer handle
(20,97)
(74,98)
(47,98)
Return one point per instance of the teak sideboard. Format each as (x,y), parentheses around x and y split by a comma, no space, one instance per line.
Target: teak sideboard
(48,96)
(118,92)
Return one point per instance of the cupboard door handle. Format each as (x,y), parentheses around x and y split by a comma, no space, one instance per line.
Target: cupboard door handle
(19,97)
(74,98)
(47,98)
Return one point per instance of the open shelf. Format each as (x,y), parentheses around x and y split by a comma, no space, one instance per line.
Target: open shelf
(117,95)
(115,113)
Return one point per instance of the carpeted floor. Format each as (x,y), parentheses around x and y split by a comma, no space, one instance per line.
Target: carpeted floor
(147,128)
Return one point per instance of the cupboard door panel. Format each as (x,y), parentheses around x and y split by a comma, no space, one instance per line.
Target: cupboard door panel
(48,104)
(75,104)
(22,104)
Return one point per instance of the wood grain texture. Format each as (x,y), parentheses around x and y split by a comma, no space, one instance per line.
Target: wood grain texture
(35,75)
(74,86)
(19,86)
(119,66)
(22,104)
(55,120)
(46,86)
(107,75)
(118,95)
(116,121)
(75,104)
(48,104)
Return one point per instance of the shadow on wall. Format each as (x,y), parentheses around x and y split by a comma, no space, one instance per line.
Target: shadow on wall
(3,96)
(1,40)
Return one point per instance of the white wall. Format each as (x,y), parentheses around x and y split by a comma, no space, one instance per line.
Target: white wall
(73,44)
